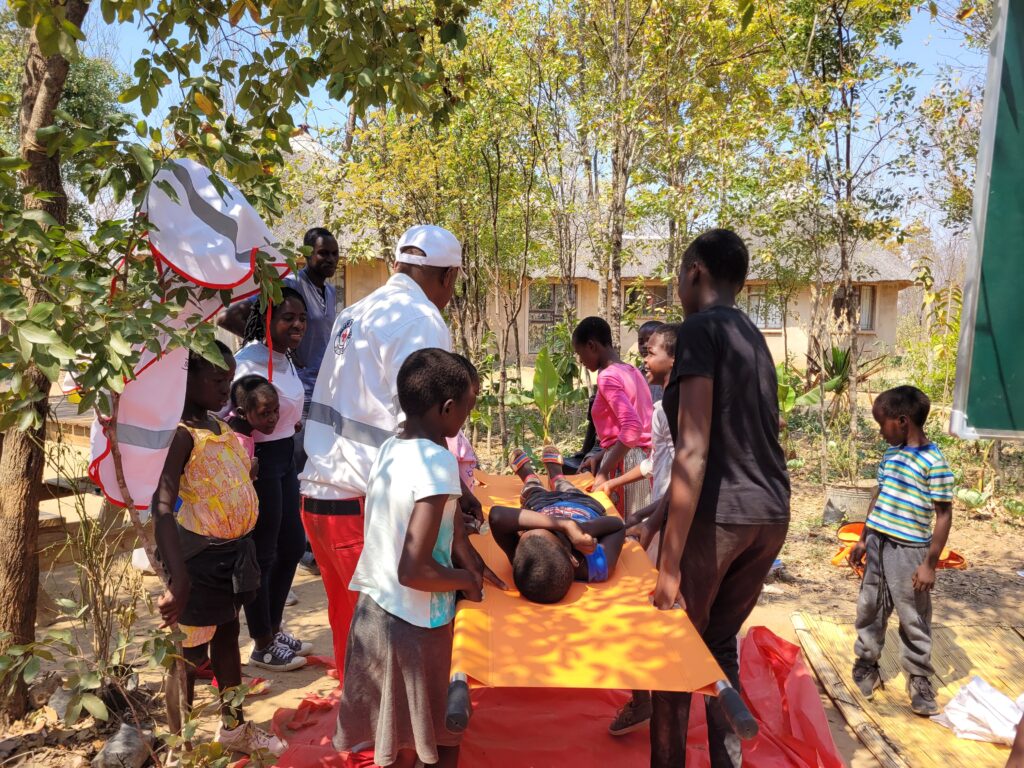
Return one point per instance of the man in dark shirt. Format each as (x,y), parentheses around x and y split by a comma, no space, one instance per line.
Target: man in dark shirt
(728,498)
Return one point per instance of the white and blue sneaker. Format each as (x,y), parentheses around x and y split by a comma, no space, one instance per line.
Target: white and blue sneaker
(293,644)
(276,656)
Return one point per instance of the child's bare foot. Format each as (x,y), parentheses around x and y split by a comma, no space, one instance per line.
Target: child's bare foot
(580,541)
(552,459)
(519,460)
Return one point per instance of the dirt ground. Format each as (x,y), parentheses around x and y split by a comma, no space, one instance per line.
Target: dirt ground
(989,591)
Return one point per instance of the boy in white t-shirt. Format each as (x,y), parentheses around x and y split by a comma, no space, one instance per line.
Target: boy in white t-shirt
(414,559)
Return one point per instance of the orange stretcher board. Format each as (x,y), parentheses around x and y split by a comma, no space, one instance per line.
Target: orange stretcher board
(604,635)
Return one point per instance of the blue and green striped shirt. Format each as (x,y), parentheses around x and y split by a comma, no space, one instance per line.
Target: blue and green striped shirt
(910,481)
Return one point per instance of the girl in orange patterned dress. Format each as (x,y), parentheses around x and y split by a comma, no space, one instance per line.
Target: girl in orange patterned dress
(206,543)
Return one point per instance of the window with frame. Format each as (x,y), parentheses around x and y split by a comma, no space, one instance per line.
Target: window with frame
(649,299)
(766,313)
(547,306)
(866,298)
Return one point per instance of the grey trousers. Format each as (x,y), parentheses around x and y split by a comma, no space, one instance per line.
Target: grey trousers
(888,585)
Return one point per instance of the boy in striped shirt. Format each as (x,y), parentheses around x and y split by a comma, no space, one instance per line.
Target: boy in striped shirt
(898,548)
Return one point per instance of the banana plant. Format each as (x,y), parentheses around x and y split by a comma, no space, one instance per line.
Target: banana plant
(834,364)
(546,389)
(789,400)
(551,391)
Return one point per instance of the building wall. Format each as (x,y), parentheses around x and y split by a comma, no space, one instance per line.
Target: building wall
(878,341)
(587,303)
(364,277)
(887,316)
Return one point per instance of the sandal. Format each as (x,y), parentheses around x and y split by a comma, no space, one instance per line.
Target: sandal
(517,459)
(549,454)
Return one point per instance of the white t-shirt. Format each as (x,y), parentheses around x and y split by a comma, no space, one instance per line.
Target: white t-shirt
(252,358)
(404,472)
(660,463)
(355,401)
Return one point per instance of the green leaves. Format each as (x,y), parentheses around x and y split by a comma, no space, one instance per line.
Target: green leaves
(119,345)
(33,334)
(39,216)
(453,32)
(54,33)
(12,163)
(76,321)
(1014,506)
(41,312)
(788,397)
(546,383)
(144,158)
(746,9)
(31,669)
(95,706)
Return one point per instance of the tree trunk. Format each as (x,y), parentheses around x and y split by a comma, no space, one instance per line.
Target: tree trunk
(21,474)
(616,231)
(671,255)
(350,132)
(602,287)
(21,463)
(850,323)
(785,333)
(503,387)
(945,335)
(823,436)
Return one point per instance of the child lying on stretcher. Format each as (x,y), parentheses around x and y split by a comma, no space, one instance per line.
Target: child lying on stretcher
(558,536)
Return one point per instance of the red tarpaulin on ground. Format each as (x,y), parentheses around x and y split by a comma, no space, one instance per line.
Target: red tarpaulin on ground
(560,728)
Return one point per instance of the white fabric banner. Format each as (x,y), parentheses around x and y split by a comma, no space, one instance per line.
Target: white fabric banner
(200,237)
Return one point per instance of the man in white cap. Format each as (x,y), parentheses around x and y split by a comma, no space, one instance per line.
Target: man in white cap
(355,404)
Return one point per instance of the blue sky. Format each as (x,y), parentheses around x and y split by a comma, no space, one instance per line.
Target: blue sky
(925,42)
(932,46)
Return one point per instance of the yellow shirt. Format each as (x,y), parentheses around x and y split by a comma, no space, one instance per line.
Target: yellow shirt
(217,495)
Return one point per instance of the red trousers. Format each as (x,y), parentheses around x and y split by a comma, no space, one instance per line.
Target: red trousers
(337,542)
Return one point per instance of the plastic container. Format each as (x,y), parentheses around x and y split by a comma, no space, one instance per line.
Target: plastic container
(848,503)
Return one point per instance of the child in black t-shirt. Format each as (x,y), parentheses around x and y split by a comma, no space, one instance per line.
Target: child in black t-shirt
(728,496)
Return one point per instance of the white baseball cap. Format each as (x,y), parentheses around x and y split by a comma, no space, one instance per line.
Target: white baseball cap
(441,247)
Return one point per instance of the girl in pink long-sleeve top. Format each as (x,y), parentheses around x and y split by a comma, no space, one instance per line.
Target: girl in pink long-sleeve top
(621,413)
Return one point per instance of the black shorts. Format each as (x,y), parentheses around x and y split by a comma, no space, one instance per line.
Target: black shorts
(215,597)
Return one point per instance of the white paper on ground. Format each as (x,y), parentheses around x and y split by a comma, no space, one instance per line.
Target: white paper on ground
(981,713)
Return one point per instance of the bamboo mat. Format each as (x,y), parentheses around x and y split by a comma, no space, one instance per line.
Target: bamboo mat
(896,736)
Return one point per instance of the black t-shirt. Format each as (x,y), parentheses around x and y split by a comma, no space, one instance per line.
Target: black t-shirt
(745,480)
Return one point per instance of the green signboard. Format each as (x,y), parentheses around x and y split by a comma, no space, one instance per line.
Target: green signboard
(989,396)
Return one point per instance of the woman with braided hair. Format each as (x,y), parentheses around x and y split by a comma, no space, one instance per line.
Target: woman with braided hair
(270,339)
